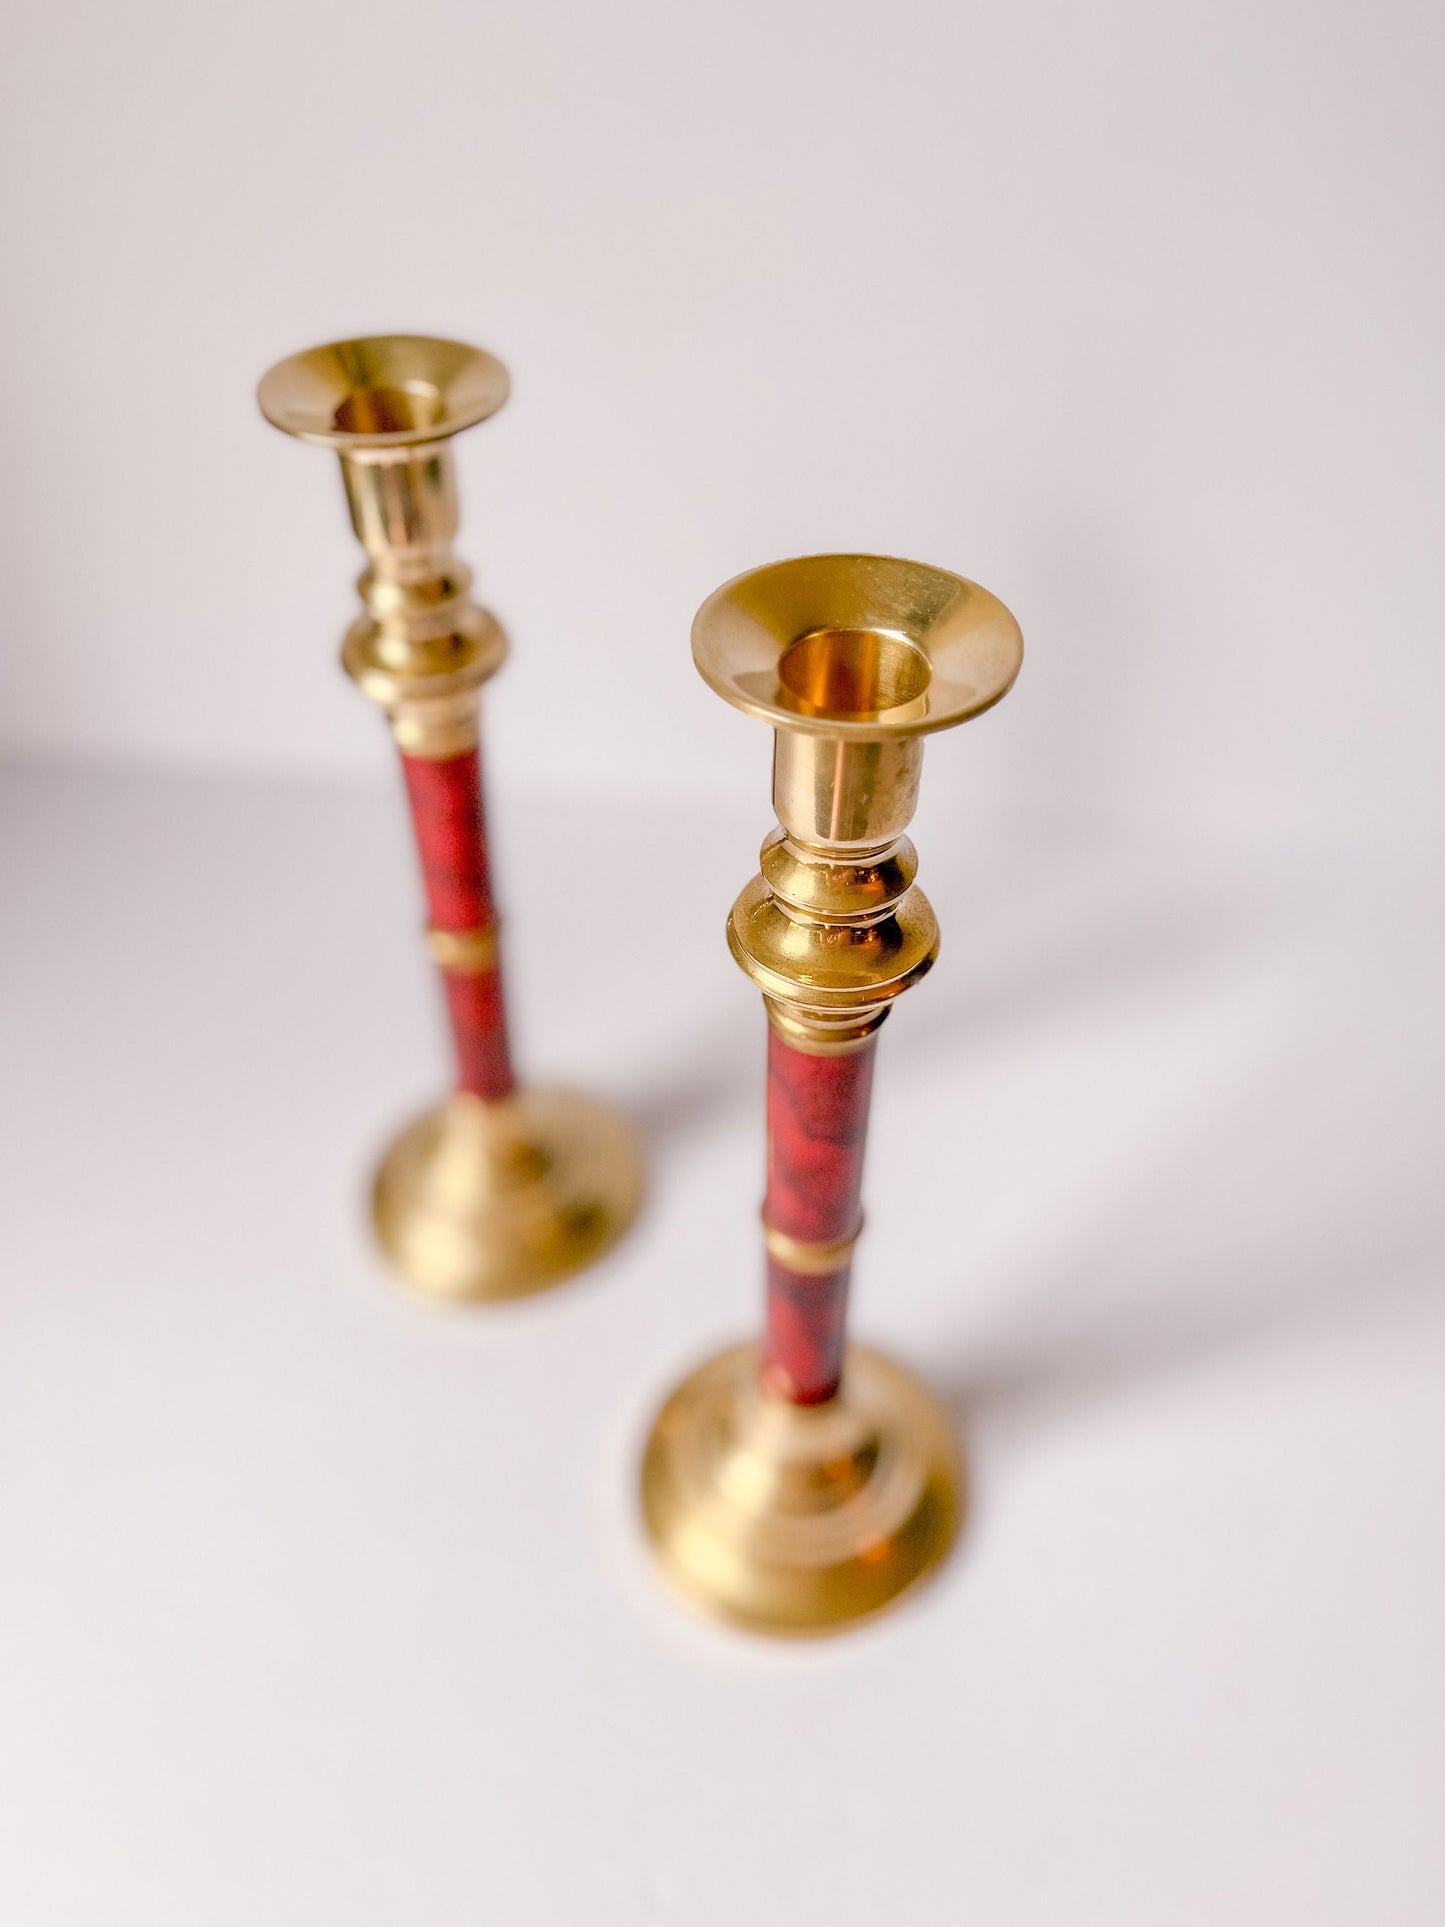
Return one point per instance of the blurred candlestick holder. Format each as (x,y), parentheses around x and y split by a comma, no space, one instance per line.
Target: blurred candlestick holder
(499,1190)
(801,1484)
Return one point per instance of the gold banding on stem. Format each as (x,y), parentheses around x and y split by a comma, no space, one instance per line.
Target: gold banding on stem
(805,1518)
(469,950)
(810,1258)
(823,1036)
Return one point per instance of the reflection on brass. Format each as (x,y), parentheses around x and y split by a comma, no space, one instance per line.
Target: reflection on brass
(480,1200)
(389,406)
(791,1518)
(800,1519)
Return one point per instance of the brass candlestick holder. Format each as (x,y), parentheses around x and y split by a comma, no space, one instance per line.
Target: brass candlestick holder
(802,1485)
(499,1190)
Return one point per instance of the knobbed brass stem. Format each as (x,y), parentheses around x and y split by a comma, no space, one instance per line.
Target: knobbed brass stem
(853,659)
(390,406)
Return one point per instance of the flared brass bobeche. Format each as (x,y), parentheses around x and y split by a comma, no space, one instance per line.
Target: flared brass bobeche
(780,1517)
(857,648)
(478,1198)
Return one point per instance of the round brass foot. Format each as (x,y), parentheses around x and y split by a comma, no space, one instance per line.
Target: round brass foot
(477,1200)
(799,1519)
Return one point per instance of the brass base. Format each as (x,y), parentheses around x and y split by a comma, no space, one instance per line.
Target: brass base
(487,1201)
(798,1519)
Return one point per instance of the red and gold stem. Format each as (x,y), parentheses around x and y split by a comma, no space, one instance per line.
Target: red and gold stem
(447,814)
(817,1123)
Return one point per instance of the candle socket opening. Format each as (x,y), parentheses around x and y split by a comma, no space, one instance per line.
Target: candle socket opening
(851,675)
(389,411)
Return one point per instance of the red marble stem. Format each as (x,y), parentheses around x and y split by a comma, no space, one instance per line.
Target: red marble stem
(451,839)
(817,1122)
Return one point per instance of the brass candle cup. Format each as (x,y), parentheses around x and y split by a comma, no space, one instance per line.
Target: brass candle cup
(499,1190)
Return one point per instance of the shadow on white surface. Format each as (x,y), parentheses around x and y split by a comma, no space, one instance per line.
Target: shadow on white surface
(1304,1194)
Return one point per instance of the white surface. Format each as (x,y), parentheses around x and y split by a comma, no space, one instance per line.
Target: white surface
(1130,311)
(317,1607)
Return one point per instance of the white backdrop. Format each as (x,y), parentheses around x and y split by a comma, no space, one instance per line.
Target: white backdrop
(1132,312)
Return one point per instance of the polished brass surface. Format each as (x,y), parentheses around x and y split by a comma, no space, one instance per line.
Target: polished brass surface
(382,392)
(474,1200)
(852,659)
(861,648)
(389,407)
(800,1519)
(480,1200)
(780,1517)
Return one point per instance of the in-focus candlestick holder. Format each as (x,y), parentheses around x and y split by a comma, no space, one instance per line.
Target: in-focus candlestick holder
(801,1484)
(500,1189)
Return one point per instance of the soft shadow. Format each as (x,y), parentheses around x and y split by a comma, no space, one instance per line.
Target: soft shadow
(1071,930)
(722,1073)
(1182,1326)
(1311,1196)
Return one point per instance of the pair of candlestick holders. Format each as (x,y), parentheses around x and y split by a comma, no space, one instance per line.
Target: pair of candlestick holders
(801,1484)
